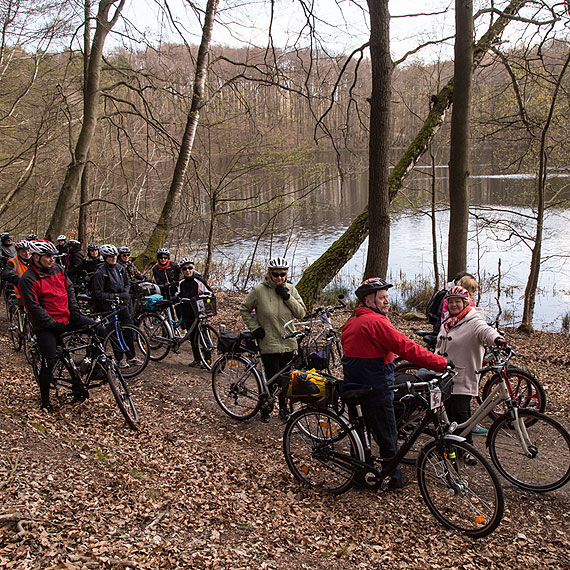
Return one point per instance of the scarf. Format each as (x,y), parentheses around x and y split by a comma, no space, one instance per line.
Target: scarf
(452,321)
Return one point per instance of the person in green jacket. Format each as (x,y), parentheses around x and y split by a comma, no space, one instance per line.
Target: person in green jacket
(264,311)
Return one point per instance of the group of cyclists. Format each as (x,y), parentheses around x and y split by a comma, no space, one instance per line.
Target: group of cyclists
(42,277)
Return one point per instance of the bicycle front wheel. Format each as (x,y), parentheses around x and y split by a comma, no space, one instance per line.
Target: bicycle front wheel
(316,445)
(121,394)
(461,491)
(14,326)
(525,388)
(546,466)
(207,344)
(158,332)
(28,341)
(237,386)
(131,346)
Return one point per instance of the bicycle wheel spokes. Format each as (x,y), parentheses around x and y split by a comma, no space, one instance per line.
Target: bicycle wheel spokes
(314,444)
(237,387)
(158,333)
(464,497)
(135,342)
(14,326)
(546,466)
(207,344)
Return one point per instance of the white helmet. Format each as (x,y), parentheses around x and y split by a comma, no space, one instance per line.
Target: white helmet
(108,250)
(278,263)
(61,237)
(41,247)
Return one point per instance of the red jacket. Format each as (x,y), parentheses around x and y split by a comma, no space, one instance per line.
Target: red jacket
(369,342)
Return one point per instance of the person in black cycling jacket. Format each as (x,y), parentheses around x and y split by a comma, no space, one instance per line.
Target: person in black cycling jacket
(166,273)
(50,301)
(7,249)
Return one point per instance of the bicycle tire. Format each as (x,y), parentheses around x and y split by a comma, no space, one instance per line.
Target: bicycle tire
(207,345)
(405,367)
(158,332)
(525,387)
(548,468)
(28,341)
(121,394)
(140,345)
(237,386)
(407,420)
(13,327)
(334,357)
(310,437)
(467,498)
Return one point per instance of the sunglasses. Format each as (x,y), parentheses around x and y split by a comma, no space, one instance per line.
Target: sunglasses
(162,257)
(187,268)
(282,274)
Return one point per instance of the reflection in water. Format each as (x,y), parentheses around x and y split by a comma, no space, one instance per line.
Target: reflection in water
(311,227)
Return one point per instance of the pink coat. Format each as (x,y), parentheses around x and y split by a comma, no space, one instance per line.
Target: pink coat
(463,344)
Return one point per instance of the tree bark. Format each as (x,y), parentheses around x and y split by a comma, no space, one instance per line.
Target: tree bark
(322,271)
(460,140)
(68,193)
(379,140)
(160,231)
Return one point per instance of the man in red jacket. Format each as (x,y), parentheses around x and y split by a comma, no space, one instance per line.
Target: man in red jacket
(50,301)
(369,342)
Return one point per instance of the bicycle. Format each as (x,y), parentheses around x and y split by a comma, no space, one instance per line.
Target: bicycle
(328,451)
(94,361)
(527,447)
(521,384)
(164,331)
(239,383)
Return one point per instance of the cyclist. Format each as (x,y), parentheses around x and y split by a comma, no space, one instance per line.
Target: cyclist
(7,249)
(125,260)
(166,273)
(462,337)
(73,260)
(110,282)
(369,342)
(50,301)
(265,310)
(16,266)
(61,245)
(191,285)
(89,265)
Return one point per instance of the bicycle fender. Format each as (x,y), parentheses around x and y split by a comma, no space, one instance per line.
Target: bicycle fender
(451,437)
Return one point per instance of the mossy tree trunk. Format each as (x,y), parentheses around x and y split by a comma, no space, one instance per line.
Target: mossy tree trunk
(323,270)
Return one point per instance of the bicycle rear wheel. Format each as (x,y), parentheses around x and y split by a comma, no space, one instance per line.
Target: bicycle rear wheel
(14,326)
(237,386)
(119,345)
(547,467)
(158,332)
(121,394)
(525,389)
(334,357)
(28,341)
(463,497)
(312,442)
(207,345)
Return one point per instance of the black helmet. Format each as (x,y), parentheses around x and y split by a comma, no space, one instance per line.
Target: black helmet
(32,237)
(4,236)
(124,249)
(370,286)
(92,247)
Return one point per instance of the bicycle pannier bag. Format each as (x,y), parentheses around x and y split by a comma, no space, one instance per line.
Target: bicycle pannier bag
(308,386)
(151,302)
(204,305)
(228,342)
(247,343)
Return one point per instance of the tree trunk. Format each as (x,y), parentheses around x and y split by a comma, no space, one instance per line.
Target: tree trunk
(160,231)
(68,193)
(460,140)
(322,271)
(379,140)
(434,225)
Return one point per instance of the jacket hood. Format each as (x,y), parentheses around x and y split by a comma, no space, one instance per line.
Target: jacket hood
(268,282)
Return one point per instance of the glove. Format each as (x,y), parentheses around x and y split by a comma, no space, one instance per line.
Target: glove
(450,364)
(59,328)
(258,333)
(282,292)
(500,342)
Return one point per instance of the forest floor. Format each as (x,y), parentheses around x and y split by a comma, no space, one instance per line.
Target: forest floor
(193,488)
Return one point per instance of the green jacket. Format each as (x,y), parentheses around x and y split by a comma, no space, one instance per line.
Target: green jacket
(271,313)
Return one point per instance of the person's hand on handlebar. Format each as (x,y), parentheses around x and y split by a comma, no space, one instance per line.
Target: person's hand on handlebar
(501,342)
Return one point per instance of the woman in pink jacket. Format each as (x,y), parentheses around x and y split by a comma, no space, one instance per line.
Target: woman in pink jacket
(461,339)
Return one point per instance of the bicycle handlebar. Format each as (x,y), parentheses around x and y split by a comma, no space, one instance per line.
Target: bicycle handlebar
(495,352)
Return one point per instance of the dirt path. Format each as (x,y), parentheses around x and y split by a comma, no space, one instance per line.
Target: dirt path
(195,489)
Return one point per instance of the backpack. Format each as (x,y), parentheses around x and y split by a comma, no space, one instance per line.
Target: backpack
(434,308)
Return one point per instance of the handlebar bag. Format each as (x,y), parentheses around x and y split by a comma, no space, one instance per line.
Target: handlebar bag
(151,302)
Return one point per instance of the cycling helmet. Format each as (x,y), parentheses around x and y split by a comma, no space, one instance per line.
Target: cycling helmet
(458,291)
(278,263)
(4,236)
(371,286)
(33,237)
(163,251)
(186,261)
(61,237)
(125,249)
(92,247)
(23,244)
(108,250)
(73,243)
(43,247)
